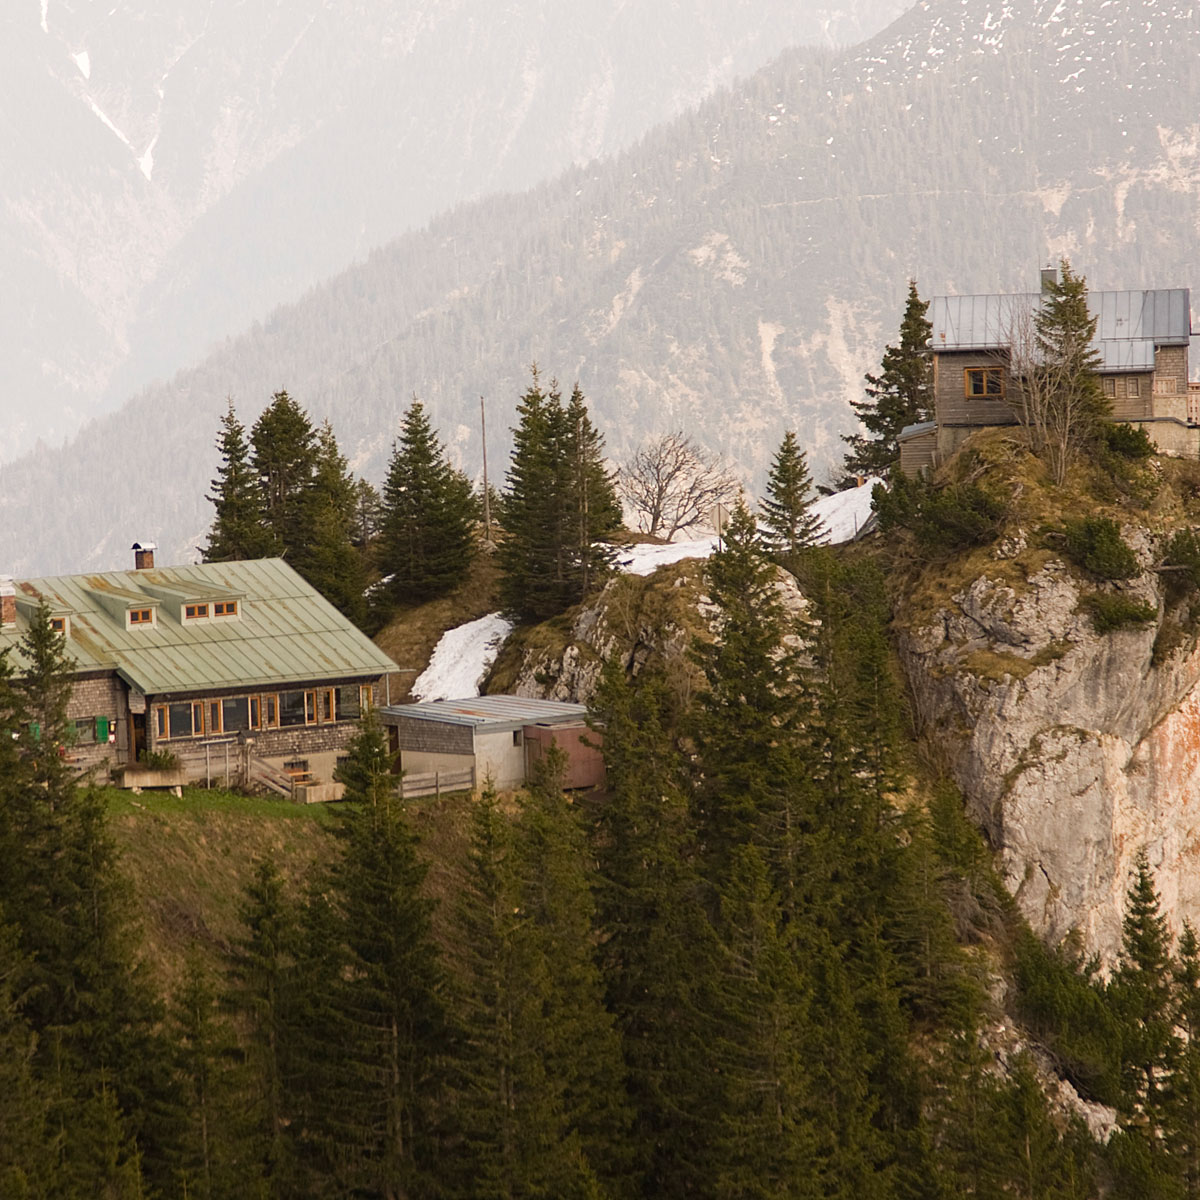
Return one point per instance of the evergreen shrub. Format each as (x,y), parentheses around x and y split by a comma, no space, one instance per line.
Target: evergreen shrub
(1127,441)
(943,520)
(1096,545)
(1183,552)
(1110,611)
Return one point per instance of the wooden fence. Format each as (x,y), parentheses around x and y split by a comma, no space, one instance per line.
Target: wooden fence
(434,783)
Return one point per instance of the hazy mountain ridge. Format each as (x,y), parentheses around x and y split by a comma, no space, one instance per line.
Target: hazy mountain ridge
(735,273)
(179,169)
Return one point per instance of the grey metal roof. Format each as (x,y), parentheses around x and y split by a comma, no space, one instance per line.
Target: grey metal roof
(1129,324)
(285,632)
(489,713)
(912,431)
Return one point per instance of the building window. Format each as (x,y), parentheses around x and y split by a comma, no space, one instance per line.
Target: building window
(270,712)
(59,625)
(141,616)
(517,739)
(312,713)
(1133,386)
(225,608)
(85,731)
(1164,387)
(195,612)
(183,720)
(349,703)
(366,696)
(235,714)
(213,723)
(292,708)
(1109,385)
(983,382)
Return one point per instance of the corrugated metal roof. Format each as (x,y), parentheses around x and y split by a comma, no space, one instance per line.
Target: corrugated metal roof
(285,631)
(494,712)
(912,431)
(1126,323)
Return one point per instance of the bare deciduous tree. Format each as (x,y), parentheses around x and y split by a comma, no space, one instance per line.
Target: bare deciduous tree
(671,484)
(1054,388)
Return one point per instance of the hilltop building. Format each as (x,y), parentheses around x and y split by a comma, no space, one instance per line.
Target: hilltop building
(240,670)
(1142,338)
(460,744)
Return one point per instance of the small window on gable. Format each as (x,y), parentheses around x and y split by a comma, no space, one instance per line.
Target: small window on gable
(1109,384)
(981,383)
(59,625)
(141,616)
(225,608)
(195,612)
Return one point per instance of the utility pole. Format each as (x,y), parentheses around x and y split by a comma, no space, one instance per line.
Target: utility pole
(487,491)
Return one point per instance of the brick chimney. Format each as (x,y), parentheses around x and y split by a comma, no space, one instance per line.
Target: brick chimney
(8,602)
(143,555)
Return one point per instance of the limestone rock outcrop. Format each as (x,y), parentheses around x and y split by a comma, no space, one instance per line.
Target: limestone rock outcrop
(1074,749)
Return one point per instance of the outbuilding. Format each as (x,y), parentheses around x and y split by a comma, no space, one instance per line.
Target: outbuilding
(496,738)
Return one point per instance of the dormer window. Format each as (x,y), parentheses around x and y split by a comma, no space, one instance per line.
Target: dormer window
(59,625)
(195,612)
(141,616)
(225,608)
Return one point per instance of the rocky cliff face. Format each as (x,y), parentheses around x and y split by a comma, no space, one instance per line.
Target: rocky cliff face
(1075,750)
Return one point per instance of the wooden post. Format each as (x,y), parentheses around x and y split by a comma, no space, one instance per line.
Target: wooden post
(487,500)
(227,766)
(437,785)
(207,768)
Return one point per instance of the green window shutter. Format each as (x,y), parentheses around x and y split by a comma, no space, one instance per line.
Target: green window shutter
(35,731)
(102,729)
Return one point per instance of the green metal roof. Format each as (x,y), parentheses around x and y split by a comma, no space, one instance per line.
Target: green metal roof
(285,631)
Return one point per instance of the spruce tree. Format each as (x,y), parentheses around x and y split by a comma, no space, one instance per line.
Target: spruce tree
(389,1023)
(559,502)
(260,977)
(595,510)
(326,557)
(580,1047)
(659,952)
(749,718)
(901,394)
(1142,994)
(1183,1122)
(427,535)
(787,525)
(764,1139)
(284,457)
(238,529)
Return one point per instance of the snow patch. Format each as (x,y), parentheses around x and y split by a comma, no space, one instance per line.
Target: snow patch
(842,517)
(146,162)
(461,659)
(843,514)
(45,10)
(81,60)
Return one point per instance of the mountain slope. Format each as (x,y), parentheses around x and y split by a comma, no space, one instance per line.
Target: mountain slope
(170,172)
(733,274)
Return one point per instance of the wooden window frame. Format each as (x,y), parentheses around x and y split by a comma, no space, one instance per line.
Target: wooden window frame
(330,710)
(225,608)
(59,625)
(1165,386)
(366,697)
(312,706)
(214,709)
(1108,385)
(1133,386)
(270,710)
(195,612)
(141,616)
(985,374)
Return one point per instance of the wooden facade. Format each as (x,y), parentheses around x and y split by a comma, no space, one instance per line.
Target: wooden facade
(1142,342)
